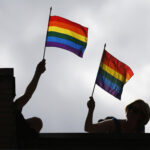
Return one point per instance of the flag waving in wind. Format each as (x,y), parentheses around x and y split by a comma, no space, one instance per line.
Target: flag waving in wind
(113,74)
(66,34)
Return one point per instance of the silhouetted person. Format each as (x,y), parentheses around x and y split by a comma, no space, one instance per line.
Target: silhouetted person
(137,113)
(32,126)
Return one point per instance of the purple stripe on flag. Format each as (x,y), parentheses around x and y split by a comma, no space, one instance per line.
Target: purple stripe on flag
(108,89)
(73,50)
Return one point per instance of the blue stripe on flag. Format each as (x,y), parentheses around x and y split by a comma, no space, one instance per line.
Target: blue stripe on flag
(66,42)
(110,84)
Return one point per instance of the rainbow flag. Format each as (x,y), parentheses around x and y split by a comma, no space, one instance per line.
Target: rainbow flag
(66,34)
(113,74)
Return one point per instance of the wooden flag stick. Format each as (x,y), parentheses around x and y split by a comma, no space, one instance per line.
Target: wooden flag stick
(97,72)
(47,31)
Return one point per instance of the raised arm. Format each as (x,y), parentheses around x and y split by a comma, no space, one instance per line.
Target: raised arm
(21,101)
(106,126)
(89,119)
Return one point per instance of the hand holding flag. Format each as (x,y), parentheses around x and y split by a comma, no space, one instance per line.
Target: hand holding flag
(41,67)
(91,104)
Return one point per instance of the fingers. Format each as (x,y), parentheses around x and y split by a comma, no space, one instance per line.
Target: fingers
(41,67)
(91,98)
(91,104)
(43,60)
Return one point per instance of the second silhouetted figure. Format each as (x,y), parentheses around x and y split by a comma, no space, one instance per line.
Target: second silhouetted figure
(28,127)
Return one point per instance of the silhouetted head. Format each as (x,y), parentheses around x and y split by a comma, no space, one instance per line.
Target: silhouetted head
(138,111)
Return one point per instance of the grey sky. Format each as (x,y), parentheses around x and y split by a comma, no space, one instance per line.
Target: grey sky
(63,90)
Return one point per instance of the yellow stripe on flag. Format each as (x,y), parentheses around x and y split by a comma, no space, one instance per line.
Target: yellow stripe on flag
(113,73)
(68,32)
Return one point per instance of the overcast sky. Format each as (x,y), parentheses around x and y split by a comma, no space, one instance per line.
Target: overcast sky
(64,89)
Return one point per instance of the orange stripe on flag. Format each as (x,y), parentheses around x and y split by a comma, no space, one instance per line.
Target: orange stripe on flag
(69,27)
(117,65)
(60,19)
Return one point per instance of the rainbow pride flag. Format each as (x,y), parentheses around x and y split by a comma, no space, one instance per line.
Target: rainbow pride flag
(66,34)
(113,74)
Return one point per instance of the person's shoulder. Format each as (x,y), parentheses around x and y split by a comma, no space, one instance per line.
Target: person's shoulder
(16,106)
(121,121)
(108,125)
(107,122)
(118,124)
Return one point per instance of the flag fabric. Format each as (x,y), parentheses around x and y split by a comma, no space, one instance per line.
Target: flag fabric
(113,74)
(66,34)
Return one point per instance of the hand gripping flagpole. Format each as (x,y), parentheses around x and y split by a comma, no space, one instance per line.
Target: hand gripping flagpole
(47,31)
(97,71)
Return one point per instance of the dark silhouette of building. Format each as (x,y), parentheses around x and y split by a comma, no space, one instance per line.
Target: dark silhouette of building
(7,119)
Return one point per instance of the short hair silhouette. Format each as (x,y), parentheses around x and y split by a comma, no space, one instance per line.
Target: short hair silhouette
(144,110)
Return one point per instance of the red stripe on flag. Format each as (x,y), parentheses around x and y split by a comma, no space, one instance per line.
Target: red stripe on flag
(115,64)
(69,27)
(60,19)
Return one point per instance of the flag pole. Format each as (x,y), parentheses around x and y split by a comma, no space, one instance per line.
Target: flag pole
(47,31)
(97,71)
